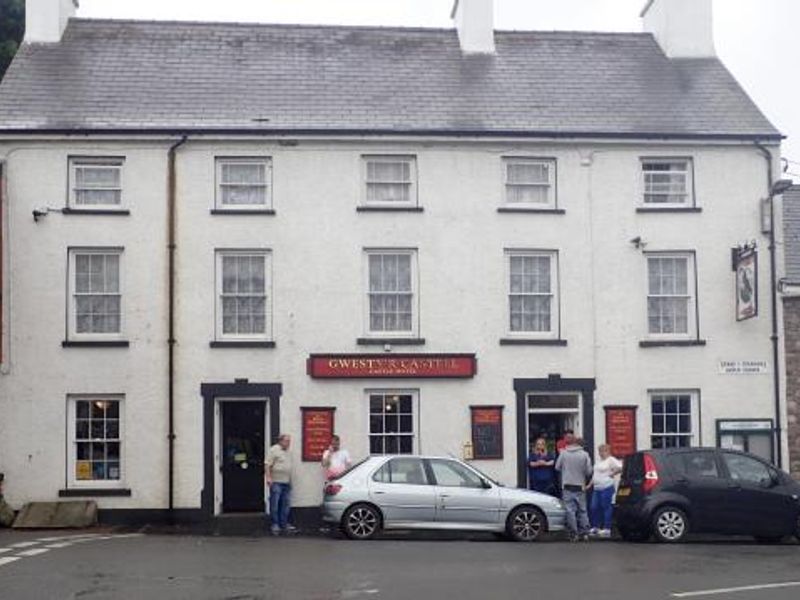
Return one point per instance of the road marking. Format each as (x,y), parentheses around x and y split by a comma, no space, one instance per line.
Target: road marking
(24,544)
(3,550)
(8,559)
(34,552)
(59,545)
(735,590)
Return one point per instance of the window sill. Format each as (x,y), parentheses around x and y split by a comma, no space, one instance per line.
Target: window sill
(94,492)
(531,342)
(96,211)
(669,209)
(392,341)
(95,343)
(243,211)
(241,344)
(536,211)
(670,343)
(417,209)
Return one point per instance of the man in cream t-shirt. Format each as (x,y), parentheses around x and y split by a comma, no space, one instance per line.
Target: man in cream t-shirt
(278,477)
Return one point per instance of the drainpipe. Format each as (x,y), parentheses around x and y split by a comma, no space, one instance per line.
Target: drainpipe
(773,290)
(171,230)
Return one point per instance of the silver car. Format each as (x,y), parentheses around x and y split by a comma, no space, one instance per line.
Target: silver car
(417,492)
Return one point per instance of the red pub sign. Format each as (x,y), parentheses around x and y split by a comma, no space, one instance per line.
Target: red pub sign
(365,366)
(621,430)
(317,431)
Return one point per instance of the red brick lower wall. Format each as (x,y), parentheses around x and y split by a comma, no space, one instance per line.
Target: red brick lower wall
(791,316)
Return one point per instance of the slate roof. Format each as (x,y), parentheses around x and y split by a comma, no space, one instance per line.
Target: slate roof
(791,233)
(143,75)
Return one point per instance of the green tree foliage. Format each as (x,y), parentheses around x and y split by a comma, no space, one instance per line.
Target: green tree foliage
(12,26)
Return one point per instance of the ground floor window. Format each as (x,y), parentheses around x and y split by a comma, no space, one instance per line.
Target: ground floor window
(392,428)
(673,418)
(95,435)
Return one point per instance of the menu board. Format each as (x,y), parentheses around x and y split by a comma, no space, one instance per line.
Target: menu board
(621,430)
(487,432)
(317,432)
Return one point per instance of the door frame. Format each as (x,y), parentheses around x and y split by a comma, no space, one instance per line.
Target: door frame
(553,383)
(213,393)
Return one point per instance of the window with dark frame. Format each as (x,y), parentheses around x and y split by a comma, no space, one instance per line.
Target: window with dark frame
(391,423)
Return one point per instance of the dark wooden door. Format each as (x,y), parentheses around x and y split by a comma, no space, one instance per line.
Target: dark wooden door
(243,456)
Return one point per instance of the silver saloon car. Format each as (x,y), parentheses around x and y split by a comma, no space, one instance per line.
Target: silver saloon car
(418,492)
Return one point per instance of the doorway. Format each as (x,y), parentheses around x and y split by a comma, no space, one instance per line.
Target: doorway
(243,427)
(550,415)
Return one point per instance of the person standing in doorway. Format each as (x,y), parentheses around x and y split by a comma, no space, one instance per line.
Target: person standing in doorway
(541,476)
(278,476)
(335,460)
(603,486)
(575,468)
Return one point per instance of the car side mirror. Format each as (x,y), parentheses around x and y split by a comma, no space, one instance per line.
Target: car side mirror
(770,482)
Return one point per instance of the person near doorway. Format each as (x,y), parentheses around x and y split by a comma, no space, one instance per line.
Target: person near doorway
(278,476)
(603,485)
(575,468)
(541,473)
(335,460)
(562,443)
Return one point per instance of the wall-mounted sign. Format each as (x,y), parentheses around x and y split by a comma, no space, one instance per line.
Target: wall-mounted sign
(746,266)
(317,431)
(743,367)
(365,366)
(621,430)
(487,432)
(747,425)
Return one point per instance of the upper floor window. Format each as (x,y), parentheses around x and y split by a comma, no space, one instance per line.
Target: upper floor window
(95,183)
(242,295)
(390,181)
(530,182)
(95,293)
(391,291)
(667,182)
(533,293)
(243,183)
(671,295)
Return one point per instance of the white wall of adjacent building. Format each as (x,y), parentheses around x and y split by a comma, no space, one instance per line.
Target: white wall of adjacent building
(316,240)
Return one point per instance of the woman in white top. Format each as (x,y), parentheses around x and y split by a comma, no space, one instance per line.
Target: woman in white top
(603,486)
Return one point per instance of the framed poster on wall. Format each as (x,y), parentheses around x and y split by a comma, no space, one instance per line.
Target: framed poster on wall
(487,432)
(621,430)
(317,431)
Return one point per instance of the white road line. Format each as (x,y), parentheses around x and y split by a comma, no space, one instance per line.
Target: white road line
(4,550)
(735,590)
(24,544)
(59,545)
(8,559)
(34,552)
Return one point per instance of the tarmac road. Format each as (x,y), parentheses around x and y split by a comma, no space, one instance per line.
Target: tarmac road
(37,566)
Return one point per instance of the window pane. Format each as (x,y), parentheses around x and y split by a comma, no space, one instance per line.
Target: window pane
(81,429)
(376,444)
(376,404)
(406,444)
(405,404)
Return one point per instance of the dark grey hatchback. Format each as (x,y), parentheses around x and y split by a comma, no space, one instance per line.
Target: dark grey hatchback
(668,493)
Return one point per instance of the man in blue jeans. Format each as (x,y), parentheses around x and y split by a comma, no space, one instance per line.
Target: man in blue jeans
(278,476)
(575,467)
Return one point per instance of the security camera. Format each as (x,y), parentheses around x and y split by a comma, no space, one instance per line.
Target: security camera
(39,213)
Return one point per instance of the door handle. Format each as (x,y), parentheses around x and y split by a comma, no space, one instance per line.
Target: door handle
(378,493)
(444,495)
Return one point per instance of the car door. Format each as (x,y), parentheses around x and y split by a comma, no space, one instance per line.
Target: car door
(462,496)
(697,477)
(401,489)
(758,502)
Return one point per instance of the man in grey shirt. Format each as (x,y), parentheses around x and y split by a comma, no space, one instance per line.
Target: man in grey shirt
(575,467)
(278,477)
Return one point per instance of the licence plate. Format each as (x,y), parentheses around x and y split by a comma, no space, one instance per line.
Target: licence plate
(624,492)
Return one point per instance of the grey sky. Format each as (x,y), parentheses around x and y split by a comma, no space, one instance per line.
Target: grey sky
(756,39)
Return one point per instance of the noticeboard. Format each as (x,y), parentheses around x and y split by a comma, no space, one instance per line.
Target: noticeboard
(487,432)
(621,430)
(317,432)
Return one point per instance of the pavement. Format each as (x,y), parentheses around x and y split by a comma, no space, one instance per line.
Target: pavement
(103,563)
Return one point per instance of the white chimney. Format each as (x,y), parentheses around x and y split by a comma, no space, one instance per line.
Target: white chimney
(475,24)
(683,28)
(45,20)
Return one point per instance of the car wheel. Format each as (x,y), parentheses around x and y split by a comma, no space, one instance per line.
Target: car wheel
(361,522)
(634,535)
(769,539)
(670,524)
(525,524)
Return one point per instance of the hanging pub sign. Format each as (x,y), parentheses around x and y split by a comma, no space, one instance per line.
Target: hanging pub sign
(487,432)
(621,430)
(366,366)
(317,431)
(745,264)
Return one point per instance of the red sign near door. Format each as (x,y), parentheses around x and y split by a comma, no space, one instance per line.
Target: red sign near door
(317,432)
(621,430)
(337,366)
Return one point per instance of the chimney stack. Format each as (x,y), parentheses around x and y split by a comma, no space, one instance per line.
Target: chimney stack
(475,24)
(683,28)
(45,20)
